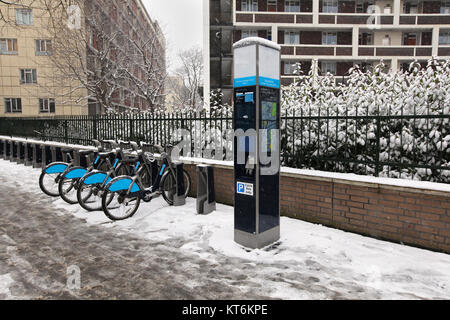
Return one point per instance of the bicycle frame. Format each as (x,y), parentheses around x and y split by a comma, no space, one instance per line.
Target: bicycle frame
(134,185)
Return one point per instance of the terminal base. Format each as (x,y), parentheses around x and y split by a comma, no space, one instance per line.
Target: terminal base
(257,241)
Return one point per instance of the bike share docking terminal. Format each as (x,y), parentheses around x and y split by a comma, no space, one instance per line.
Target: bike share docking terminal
(256,142)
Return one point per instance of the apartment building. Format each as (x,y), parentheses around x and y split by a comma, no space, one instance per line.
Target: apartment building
(30,82)
(326,35)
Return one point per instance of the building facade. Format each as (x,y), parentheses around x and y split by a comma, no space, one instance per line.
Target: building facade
(30,82)
(327,35)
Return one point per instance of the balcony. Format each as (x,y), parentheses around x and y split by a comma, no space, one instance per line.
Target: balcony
(317,50)
(424,19)
(400,51)
(444,51)
(275,17)
(352,18)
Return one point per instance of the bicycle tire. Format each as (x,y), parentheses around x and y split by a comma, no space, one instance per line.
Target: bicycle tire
(45,189)
(166,194)
(83,201)
(108,203)
(63,191)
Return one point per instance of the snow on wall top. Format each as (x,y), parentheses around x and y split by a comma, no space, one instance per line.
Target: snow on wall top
(256,40)
(50,143)
(402,183)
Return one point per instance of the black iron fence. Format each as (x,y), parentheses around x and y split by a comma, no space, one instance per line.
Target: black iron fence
(402,146)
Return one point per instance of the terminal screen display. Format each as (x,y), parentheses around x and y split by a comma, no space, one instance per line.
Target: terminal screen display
(245,140)
(269,116)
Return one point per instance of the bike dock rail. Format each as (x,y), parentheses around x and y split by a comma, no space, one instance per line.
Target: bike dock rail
(39,154)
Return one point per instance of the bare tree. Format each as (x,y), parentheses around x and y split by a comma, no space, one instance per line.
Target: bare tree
(191,71)
(148,70)
(111,64)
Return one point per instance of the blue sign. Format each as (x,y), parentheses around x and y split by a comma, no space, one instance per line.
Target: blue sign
(245,188)
(271,83)
(245,82)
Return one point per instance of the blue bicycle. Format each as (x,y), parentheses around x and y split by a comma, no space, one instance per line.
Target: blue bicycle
(51,175)
(123,195)
(128,160)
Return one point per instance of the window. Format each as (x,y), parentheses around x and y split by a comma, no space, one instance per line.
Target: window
(13,105)
(8,46)
(410,39)
(28,76)
(269,35)
(292,6)
(445,7)
(249,33)
(328,67)
(249,5)
(444,37)
(330,6)
(366,39)
(329,38)
(411,7)
(363,6)
(291,37)
(289,68)
(24,16)
(47,105)
(386,40)
(387,9)
(272,2)
(43,47)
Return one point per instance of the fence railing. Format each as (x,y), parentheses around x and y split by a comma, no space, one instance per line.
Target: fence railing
(402,146)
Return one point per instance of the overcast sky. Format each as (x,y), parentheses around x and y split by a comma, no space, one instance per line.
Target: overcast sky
(181,22)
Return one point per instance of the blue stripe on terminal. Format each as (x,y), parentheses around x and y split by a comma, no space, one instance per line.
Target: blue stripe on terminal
(268,82)
(245,82)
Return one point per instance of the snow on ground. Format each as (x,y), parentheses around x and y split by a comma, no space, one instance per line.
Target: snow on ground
(5,282)
(306,255)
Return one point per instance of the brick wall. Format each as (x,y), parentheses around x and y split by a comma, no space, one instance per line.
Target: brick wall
(406,215)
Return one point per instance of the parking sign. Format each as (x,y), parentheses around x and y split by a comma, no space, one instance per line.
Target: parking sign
(245,188)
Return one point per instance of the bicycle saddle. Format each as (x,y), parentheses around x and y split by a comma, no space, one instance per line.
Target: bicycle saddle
(98,145)
(106,154)
(111,143)
(84,152)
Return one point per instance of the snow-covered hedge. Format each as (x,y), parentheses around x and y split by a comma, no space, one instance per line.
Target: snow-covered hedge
(308,142)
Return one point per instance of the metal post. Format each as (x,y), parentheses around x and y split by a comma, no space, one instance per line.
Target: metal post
(377,156)
(178,198)
(206,198)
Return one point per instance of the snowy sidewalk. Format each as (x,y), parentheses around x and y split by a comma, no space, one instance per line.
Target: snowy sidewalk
(167,252)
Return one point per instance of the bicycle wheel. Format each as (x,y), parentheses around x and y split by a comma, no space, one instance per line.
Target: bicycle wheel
(118,206)
(169,187)
(90,196)
(48,183)
(67,189)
